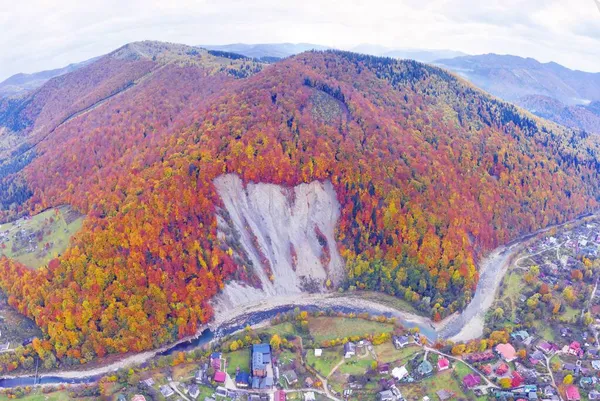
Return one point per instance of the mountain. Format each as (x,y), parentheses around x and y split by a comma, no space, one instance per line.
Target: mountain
(209,180)
(266,50)
(422,55)
(19,84)
(271,51)
(547,89)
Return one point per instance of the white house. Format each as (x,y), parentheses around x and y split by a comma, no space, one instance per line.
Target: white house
(399,373)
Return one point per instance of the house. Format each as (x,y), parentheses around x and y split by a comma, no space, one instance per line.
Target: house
(571,367)
(400,341)
(215,360)
(121,397)
(194,391)
(471,380)
(261,360)
(290,377)
(572,393)
(536,357)
(242,379)
(280,395)
(308,382)
(443,364)
(506,352)
(166,391)
(521,335)
(318,352)
(220,376)
(310,396)
(222,392)
(596,364)
(487,369)
(425,368)
(201,375)
(547,348)
(349,350)
(386,395)
(138,397)
(517,379)
(587,381)
(549,391)
(384,368)
(148,382)
(445,395)
(399,373)
(575,349)
(480,357)
(502,369)
(594,395)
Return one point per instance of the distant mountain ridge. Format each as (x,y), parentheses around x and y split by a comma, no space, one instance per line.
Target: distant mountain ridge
(266,50)
(549,90)
(21,83)
(283,50)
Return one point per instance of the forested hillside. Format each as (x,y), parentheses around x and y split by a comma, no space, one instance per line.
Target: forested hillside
(430,174)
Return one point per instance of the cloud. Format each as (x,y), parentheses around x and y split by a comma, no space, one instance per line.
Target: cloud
(44,34)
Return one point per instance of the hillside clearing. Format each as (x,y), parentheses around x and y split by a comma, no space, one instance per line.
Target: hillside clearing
(34,241)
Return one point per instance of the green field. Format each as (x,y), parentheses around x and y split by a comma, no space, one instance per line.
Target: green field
(37,395)
(326,362)
(237,359)
(325,328)
(36,240)
(356,366)
(387,353)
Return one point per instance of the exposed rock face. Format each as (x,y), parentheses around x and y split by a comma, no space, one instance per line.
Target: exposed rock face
(287,235)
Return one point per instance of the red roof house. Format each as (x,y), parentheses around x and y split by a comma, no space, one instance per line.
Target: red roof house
(443,364)
(502,369)
(487,369)
(517,379)
(220,376)
(280,395)
(575,349)
(572,393)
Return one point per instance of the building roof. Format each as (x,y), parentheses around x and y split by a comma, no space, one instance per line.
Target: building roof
(444,395)
(290,376)
(138,397)
(507,351)
(425,367)
(443,363)
(572,393)
(220,376)
(399,373)
(242,377)
(261,356)
(471,380)
(349,347)
(280,395)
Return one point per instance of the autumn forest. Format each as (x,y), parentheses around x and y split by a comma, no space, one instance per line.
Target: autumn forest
(431,173)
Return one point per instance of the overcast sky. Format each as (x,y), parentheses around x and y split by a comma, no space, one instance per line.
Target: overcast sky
(44,34)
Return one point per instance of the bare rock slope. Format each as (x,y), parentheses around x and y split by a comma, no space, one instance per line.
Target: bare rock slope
(285,234)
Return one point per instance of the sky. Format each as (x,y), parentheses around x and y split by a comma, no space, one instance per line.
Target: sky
(38,35)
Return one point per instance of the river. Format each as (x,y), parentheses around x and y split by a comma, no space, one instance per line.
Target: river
(465,326)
